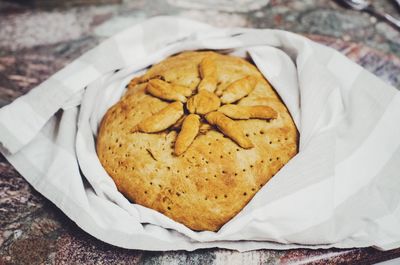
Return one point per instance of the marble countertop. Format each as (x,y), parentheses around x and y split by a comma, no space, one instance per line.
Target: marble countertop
(38,37)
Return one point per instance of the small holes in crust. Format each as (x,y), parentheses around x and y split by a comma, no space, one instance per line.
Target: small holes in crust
(169,208)
(225,196)
(262,132)
(244,193)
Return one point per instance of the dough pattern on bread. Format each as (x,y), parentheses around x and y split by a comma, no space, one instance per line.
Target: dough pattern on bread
(196,137)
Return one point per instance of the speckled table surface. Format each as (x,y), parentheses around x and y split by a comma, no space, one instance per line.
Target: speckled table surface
(38,37)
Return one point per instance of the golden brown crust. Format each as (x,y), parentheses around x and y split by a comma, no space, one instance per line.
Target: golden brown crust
(238,89)
(166,91)
(161,120)
(248,112)
(203,102)
(229,128)
(208,74)
(213,178)
(189,131)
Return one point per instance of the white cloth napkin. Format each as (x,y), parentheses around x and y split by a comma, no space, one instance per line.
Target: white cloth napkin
(341,190)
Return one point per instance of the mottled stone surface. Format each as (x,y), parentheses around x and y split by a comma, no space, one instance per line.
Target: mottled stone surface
(36,42)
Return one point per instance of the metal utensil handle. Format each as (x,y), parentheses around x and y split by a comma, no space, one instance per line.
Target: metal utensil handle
(392,20)
(397,2)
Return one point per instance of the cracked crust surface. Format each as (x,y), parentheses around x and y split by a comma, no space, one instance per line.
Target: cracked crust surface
(209,183)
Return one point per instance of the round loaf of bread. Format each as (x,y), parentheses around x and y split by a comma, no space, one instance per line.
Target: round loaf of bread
(196,137)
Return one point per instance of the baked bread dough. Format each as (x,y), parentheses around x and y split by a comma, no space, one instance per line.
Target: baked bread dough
(196,137)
